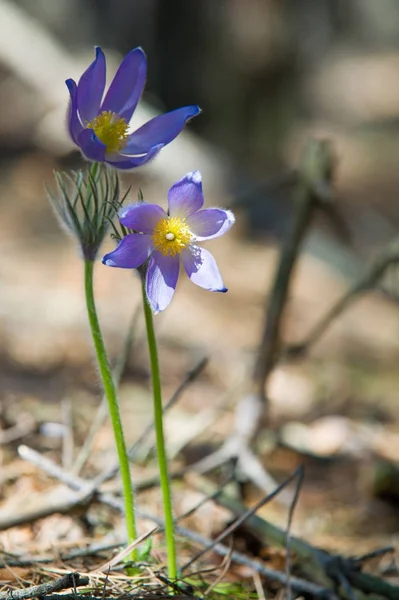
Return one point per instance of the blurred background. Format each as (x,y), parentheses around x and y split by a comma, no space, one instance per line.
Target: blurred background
(268,74)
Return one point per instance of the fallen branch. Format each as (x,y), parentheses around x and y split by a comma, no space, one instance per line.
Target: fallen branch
(313,191)
(71,580)
(110,500)
(324,569)
(240,520)
(388,257)
(318,564)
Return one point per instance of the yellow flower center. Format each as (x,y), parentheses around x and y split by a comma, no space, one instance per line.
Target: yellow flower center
(111,130)
(171,236)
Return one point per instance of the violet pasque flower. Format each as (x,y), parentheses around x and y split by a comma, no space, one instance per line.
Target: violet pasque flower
(165,238)
(100,127)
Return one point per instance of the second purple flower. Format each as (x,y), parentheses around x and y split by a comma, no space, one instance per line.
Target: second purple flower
(100,127)
(165,238)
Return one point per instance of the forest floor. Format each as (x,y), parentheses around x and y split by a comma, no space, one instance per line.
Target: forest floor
(334,411)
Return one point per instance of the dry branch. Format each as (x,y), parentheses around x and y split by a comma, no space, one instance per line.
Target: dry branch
(324,570)
(71,580)
(388,257)
(110,500)
(313,190)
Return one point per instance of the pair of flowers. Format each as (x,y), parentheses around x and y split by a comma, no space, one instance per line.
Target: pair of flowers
(159,239)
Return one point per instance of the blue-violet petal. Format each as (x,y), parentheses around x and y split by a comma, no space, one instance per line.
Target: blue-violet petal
(141,216)
(206,223)
(91,88)
(131,252)
(161,280)
(126,87)
(120,161)
(185,196)
(160,130)
(202,269)
(74,124)
(226,225)
(91,146)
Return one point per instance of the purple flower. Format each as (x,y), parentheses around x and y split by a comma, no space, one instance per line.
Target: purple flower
(100,127)
(163,238)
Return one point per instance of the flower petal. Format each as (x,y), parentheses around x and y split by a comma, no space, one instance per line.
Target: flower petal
(213,224)
(131,252)
(74,124)
(161,280)
(185,196)
(126,87)
(202,269)
(141,216)
(91,88)
(120,161)
(91,146)
(160,130)
(205,223)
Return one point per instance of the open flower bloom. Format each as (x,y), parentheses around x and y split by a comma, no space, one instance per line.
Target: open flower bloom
(163,238)
(100,127)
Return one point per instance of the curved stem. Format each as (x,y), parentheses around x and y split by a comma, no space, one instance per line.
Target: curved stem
(160,440)
(110,393)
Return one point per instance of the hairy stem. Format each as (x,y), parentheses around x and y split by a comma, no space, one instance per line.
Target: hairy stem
(110,393)
(160,440)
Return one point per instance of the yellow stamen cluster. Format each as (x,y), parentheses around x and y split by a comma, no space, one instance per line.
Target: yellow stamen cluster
(171,236)
(111,130)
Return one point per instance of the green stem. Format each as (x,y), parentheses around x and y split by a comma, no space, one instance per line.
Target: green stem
(160,439)
(110,393)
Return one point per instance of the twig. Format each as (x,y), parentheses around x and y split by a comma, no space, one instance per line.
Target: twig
(373,554)
(315,558)
(68,597)
(300,474)
(372,585)
(95,549)
(26,424)
(297,584)
(87,491)
(117,504)
(317,563)
(349,592)
(125,551)
(52,469)
(64,506)
(313,190)
(67,437)
(388,257)
(237,447)
(314,181)
(154,596)
(205,500)
(258,586)
(68,581)
(224,570)
(242,518)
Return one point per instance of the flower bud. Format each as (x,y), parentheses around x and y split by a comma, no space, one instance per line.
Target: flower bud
(85,204)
